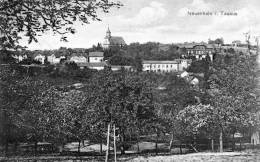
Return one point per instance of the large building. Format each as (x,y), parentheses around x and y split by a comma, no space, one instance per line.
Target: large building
(198,50)
(166,66)
(111,41)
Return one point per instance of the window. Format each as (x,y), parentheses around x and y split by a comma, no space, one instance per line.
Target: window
(166,66)
(158,66)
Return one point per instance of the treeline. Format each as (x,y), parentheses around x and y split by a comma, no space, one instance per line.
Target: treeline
(117,55)
(59,106)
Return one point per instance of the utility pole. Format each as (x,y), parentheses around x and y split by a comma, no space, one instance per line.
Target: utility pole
(247,35)
(257,44)
(108,141)
(115,141)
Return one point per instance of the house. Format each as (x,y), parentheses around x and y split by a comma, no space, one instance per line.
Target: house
(78,58)
(111,41)
(40,58)
(236,43)
(95,66)
(198,50)
(166,66)
(184,74)
(194,81)
(190,78)
(117,68)
(183,63)
(55,60)
(19,58)
(95,57)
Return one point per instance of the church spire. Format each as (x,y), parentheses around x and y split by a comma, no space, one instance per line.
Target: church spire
(108,34)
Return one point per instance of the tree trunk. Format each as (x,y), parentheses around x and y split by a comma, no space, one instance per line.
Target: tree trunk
(35,147)
(180,149)
(108,142)
(221,141)
(79,146)
(233,142)
(101,143)
(122,147)
(115,141)
(6,147)
(83,143)
(138,139)
(156,144)
(171,143)
(15,147)
(212,144)
(61,146)
(138,148)
(240,144)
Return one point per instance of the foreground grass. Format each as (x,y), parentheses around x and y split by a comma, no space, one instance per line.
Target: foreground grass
(246,156)
(201,157)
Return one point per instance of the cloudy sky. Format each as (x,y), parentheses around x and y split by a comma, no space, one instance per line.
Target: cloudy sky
(165,21)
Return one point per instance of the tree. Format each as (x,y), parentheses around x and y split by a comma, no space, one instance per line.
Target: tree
(219,41)
(123,99)
(36,17)
(232,90)
(174,97)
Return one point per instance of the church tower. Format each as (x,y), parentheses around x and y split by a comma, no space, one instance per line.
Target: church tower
(107,39)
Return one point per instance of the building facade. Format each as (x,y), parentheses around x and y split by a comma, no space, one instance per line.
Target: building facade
(95,57)
(198,50)
(40,58)
(166,66)
(78,58)
(55,60)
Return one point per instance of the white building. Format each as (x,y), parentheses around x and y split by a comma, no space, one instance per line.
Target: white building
(95,57)
(95,66)
(166,66)
(19,58)
(55,60)
(40,58)
(78,58)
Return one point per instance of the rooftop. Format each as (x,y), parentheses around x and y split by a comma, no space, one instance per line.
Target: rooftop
(96,64)
(96,54)
(191,45)
(160,62)
(117,40)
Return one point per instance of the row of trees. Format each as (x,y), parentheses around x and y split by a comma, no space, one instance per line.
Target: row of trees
(46,107)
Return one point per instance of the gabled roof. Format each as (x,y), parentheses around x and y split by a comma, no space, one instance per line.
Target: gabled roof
(117,40)
(94,64)
(79,55)
(96,54)
(192,45)
(160,62)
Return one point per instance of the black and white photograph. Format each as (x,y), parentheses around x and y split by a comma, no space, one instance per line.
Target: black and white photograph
(129,81)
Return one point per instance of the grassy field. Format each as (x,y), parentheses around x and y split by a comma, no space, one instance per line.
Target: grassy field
(201,157)
(193,157)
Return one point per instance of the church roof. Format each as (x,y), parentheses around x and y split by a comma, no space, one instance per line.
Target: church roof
(117,41)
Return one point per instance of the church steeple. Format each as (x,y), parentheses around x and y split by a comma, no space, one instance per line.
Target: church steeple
(108,34)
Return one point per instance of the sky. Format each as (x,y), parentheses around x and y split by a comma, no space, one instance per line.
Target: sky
(164,21)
